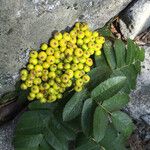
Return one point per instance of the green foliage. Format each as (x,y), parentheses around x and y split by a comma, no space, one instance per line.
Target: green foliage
(94,112)
(108,88)
(74,106)
(100,123)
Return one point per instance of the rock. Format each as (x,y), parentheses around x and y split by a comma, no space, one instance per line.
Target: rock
(26,24)
(135,19)
(146,119)
(6,136)
(140,98)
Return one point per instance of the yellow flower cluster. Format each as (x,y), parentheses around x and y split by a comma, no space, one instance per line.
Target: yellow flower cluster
(62,63)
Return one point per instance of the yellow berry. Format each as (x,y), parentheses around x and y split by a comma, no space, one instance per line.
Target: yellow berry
(57,54)
(73,33)
(46,65)
(44,46)
(58,80)
(77,24)
(84,47)
(60,66)
(51,82)
(69,73)
(69,83)
(44,77)
(30,98)
(50,59)
(54,43)
(86,54)
(86,68)
(23,86)
(38,74)
(76,60)
(78,52)
(33,54)
(55,86)
(67,66)
(30,66)
(43,100)
(74,67)
(46,86)
(42,56)
(95,34)
(24,72)
(79,42)
(50,51)
(35,89)
(80,66)
(58,36)
(78,88)
(84,26)
(80,34)
(28,83)
(82,59)
(52,75)
(100,40)
(91,45)
(98,53)
(86,78)
(79,82)
(88,33)
(65,78)
(86,40)
(53,67)
(62,49)
(68,51)
(59,96)
(32,95)
(33,61)
(63,43)
(37,81)
(38,68)
(66,36)
(77,74)
(89,62)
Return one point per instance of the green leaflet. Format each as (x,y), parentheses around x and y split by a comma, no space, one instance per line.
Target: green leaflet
(108,88)
(100,123)
(120,51)
(122,123)
(86,116)
(109,54)
(116,102)
(98,75)
(28,141)
(74,106)
(105,31)
(131,51)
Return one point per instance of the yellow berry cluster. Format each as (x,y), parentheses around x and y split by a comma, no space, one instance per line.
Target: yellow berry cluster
(62,63)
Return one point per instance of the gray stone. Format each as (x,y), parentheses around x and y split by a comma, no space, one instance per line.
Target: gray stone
(6,136)
(26,24)
(135,19)
(146,119)
(140,98)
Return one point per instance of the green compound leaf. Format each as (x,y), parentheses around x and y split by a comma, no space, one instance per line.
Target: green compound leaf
(109,54)
(39,129)
(120,51)
(100,123)
(86,116)
(116,102)
(131,51)
(74,106)
(123,123)
(108,88)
